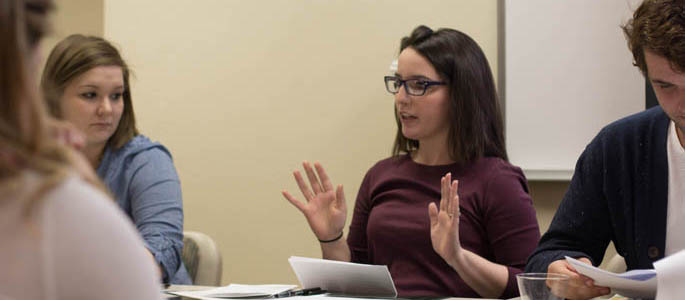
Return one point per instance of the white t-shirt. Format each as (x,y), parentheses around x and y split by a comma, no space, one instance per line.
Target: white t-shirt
(77,245)
(675,220)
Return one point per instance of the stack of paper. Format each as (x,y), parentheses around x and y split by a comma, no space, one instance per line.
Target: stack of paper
(633,284)
(339,279)
(343,278)
(237,291)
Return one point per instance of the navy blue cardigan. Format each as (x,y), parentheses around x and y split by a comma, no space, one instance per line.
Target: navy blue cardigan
(619,193)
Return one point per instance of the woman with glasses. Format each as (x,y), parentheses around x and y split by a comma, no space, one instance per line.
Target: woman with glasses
(61,236)
(446,213)
(86,82)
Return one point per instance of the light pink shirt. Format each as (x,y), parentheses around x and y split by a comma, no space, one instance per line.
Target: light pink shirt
(76,245)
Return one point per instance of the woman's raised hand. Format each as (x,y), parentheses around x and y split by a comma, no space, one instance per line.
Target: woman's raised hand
(445,221)
(325,209)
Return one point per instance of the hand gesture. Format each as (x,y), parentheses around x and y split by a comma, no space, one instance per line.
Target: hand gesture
(66,134)
(579,286)
(325,209)
(445,222)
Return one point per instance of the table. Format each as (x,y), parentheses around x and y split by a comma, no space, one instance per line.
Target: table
(200,287)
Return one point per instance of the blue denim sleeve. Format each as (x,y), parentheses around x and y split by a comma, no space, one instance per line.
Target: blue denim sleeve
(157,207)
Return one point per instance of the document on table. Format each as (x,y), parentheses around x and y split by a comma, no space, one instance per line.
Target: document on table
(329,297)
(633,284)
(343,278)
(237,291)
(670,280)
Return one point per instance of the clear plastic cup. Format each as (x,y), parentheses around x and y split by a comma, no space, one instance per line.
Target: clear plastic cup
(542,286)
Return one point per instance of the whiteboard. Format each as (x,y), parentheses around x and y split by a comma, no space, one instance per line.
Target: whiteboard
(567,73)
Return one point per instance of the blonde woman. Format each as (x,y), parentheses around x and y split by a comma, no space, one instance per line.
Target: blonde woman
(86,83)
(62,237)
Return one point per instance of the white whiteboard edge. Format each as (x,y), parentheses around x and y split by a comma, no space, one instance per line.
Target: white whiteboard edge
(548,175)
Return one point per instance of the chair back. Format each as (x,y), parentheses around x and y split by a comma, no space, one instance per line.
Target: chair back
(202,258)
(616,264)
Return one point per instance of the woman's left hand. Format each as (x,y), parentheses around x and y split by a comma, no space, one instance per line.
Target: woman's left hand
(445,221)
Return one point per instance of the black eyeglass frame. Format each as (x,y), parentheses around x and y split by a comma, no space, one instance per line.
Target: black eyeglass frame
(426,84)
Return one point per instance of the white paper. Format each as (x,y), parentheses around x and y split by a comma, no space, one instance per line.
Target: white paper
(344,278)
(671,270)
(262,290)
(327,297)
(633,284)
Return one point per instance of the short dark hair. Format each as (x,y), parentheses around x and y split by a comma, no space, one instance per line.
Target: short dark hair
(658,26)
(78,54)
(476,128)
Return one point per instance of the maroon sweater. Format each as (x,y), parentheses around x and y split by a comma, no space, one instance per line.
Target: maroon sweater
(390,225)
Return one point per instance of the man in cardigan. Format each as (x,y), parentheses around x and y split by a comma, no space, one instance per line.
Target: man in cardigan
(629,183)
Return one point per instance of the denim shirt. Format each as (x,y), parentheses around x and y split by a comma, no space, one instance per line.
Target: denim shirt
(142,178)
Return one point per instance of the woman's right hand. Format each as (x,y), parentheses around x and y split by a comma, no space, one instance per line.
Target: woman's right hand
(325,209)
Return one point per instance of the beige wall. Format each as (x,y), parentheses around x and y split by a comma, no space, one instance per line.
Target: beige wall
(242,91)
(75,16)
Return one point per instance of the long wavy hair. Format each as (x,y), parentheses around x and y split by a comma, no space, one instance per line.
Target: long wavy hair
(25,141)
(476,128)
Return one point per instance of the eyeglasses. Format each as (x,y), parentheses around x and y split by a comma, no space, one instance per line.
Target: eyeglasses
(414,87)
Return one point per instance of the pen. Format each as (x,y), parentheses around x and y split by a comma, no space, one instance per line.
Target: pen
(302,292)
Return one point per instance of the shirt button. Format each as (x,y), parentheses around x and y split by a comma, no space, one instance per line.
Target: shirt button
(653,252)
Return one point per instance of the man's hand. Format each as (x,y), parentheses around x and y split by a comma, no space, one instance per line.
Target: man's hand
(579,286)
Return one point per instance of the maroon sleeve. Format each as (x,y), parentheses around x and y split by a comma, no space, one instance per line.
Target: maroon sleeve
(512,226)
(356,237)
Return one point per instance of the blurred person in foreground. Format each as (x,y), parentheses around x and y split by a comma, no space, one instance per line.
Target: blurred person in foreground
(62,236)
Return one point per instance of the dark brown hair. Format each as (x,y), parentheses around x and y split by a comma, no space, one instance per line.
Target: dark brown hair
(658,26)
(475,119)
(78,54)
